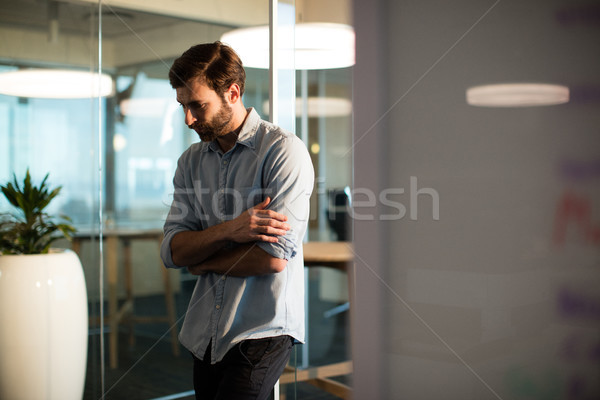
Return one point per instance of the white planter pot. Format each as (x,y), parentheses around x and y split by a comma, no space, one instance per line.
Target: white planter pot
(43,326)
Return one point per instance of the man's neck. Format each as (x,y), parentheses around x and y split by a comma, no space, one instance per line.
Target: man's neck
(227,141)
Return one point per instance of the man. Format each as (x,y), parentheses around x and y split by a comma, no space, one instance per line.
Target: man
(238,217)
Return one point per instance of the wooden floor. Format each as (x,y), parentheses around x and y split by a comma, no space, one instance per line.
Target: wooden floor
(149,370)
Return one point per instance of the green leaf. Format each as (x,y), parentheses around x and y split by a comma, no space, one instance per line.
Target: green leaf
(30,230)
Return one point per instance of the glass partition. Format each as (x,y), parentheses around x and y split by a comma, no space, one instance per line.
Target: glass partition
(50,126)
(145,136)
(115,155)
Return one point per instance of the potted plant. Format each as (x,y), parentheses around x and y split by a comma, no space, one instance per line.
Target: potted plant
(43,300)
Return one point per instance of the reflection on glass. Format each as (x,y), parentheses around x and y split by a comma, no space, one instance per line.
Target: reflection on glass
(142,136)
(38,134)
(148,137)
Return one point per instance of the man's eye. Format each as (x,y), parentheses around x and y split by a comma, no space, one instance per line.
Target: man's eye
(198,106)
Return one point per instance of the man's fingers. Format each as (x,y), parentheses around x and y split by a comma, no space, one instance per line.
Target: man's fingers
(271,226)
(265,238)
(260,224)
(270,214)
(260,209)
(274,231)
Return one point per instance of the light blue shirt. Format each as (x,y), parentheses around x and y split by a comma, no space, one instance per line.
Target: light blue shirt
(211,187)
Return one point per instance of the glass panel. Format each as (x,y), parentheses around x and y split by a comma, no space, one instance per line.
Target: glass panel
(146,134)
(323,120)
(284,84)
(282,113)
(327,129)
(120,151)
(49,134)
(483,266)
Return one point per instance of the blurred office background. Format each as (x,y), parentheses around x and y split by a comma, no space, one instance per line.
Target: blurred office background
(475,223)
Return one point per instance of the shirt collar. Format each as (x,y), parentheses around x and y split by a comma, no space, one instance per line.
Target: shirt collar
(247,135)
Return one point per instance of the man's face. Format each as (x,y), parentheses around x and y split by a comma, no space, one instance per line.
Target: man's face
(205,111)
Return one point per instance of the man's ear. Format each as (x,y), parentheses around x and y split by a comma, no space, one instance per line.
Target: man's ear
(234,93)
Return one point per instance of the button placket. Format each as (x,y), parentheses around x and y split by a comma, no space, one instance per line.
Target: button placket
(216,314)
(223,170)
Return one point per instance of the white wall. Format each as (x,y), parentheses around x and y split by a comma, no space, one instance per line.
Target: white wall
(487,301)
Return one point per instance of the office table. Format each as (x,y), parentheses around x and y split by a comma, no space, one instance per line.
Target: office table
(117,314)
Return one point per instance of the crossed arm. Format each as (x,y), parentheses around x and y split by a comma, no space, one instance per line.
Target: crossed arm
(204,251)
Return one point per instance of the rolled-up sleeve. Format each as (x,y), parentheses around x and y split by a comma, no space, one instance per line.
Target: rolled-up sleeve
(181,215)
(289,178)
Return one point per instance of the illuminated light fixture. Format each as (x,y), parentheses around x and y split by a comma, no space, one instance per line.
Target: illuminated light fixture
(119,142)
(144,107)
(318,45)
(55,84)
(517,95)
(320,107)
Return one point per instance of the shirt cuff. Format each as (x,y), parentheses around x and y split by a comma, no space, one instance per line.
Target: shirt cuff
(165,250)
(285,248)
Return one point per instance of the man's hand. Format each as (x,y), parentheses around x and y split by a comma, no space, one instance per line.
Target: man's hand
(258,224)
(189,248)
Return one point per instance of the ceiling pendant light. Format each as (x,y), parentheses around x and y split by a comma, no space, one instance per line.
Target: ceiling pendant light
(318,45)
(55,84)
(320,107)
(517,95)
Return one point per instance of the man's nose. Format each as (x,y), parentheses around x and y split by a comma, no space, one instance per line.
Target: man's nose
(189,117)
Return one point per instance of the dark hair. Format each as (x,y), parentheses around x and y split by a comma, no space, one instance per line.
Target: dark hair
(216,64)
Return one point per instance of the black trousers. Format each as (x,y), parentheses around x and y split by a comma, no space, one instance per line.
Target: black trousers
(247,372)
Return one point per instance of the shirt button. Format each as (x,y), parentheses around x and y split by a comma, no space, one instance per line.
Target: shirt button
(223,278)
(225,162)
(218,307)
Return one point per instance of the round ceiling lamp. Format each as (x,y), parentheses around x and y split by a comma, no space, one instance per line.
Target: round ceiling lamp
(55,84)
(320,107)
(144,107)
(317,45)
(517,95)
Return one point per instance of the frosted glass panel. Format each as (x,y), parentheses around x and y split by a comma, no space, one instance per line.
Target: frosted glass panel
(488,271)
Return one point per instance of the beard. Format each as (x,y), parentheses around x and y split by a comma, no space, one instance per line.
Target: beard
(218,126)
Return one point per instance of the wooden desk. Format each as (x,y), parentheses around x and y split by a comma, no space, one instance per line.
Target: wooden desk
(336,255)
(328,254)
(116,314)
